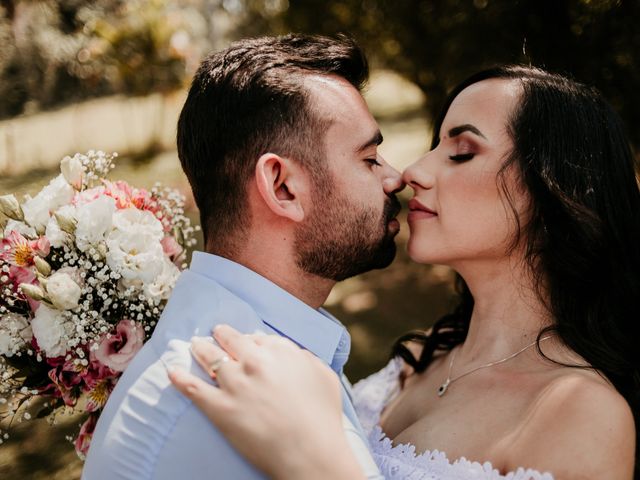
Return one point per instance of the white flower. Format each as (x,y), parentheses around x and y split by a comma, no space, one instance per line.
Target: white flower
(94,221)
(15,333)
(50,198)
(63,292)
(20,227)
(161,287)
(72,171)
(7,344)
(10,207)
(50,329)
(58,237)
(134,245)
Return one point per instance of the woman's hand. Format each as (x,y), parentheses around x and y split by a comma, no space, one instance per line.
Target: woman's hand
(277,404)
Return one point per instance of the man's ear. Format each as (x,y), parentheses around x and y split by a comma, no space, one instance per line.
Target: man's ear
(280,182)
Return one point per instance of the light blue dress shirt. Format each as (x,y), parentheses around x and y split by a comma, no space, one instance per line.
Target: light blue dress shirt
(148,430)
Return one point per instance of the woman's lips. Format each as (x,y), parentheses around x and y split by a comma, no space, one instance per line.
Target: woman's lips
(417,211)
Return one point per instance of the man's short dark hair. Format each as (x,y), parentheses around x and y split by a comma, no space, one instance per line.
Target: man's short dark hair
(248,100)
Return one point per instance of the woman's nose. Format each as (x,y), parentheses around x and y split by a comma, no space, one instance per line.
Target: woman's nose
(418,175)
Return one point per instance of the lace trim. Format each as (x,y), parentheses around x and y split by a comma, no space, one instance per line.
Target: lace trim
(402,461)
(370,395)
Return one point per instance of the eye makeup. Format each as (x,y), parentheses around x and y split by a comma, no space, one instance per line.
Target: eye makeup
(465,150)
(463,157)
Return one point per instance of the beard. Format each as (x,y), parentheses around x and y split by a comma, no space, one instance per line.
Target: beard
(341,240)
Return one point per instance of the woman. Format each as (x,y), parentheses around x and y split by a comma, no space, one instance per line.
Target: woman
(529,193)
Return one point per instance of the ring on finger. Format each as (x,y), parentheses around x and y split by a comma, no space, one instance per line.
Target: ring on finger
(217,364)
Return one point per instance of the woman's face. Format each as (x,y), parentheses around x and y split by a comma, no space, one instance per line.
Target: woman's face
(458,213)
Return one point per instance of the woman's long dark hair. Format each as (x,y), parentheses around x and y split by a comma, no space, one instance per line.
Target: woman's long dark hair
(583,240)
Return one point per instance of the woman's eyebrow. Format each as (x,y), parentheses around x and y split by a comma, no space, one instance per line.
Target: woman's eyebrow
(455,131)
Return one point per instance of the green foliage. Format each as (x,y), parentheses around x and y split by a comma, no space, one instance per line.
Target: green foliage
(55,52)
(436,43)
(143,47)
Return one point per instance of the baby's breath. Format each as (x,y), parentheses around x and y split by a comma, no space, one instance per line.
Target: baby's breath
(97,165)
(105,299)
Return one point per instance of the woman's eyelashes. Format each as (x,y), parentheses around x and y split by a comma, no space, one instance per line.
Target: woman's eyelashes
(373,162)
(462,157)
(465,150)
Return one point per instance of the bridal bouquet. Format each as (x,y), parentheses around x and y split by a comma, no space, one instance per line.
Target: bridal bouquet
(86,267)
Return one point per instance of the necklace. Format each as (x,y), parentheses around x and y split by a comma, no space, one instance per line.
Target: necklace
(443,388)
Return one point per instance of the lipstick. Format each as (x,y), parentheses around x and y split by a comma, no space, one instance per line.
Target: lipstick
(417,211)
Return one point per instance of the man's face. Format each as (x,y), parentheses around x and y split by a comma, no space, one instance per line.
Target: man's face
(351,225)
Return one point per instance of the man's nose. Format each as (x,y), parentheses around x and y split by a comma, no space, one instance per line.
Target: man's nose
(393,182)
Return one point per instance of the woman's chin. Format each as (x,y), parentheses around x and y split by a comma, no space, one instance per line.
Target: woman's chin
(423,254)
(420,253)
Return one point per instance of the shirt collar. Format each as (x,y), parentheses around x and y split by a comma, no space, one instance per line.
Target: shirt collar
(315,330)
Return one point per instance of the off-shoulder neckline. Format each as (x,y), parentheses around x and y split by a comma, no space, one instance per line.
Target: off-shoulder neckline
(437,461)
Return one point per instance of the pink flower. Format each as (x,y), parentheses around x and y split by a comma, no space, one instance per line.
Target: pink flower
(96,372)
(86,433)
(116,350)
(171,247)
(120,191)
(88,196)
(98,393)
(20,275)
(128,197)
(67,378)
(41,247)
(17,250)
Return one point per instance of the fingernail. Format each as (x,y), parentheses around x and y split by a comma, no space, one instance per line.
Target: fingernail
(195,344)
(208,339)
(216,329)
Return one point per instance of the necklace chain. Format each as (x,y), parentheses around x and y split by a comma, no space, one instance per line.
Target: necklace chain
(448,381)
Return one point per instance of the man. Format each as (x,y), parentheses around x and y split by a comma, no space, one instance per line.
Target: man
(281,153)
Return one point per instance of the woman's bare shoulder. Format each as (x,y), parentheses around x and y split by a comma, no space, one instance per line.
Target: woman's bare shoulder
(579,426)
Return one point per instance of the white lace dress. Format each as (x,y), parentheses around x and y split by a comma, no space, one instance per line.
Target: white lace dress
(401,461)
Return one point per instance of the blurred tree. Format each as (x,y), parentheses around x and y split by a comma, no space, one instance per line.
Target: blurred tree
(55,52)
(436,43)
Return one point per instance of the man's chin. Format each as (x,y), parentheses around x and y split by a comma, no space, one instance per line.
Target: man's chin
(384,255)
(381,258)
(386,258)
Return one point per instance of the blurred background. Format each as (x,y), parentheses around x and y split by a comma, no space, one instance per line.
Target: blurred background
(112,75)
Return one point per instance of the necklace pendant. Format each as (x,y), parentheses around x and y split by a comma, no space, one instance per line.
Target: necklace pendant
(443,388)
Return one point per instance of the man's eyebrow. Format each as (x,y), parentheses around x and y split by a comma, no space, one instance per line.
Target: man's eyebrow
(376,139)
(455,131)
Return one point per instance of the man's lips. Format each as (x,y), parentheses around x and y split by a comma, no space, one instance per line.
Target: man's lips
(418,211)
(392,209)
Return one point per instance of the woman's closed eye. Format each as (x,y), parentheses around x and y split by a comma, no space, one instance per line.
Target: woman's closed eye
(465,151)
(462,157)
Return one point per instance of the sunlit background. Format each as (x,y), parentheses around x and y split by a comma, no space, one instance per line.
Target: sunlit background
(112,75)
